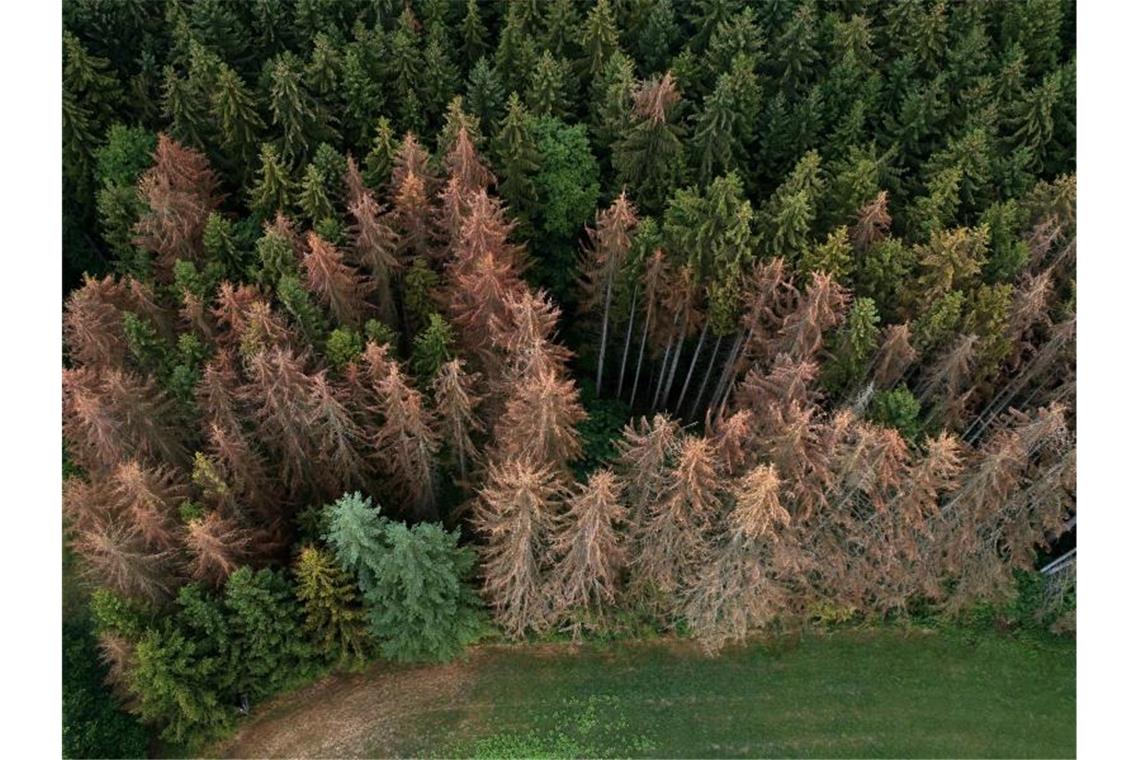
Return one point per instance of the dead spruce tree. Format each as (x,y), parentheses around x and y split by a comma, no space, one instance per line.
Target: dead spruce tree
(589,552)
(515,513)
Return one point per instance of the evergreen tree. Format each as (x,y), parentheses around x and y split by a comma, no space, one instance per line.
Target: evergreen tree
(273,188)
(546,94)
(599,39)
(562,25)
(518,160)
(485,95)
(234,109)
(265,624)
(412,581)
(296,114)
(723,130)
(381,158)
(419,606)
(657,39)
(432,347)
(650,158)
(333,617)
(473,33)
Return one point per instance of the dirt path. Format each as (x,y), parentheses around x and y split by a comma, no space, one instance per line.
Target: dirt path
(347,715)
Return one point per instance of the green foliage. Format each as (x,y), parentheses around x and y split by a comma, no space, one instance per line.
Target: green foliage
(724,128)
(419,606)
(299,305)
(712,228)
(334,618)
(265,629)
(856,342)
(833,256)
(897,408)
(600,431)
(433,346)
(93,724)
(380,333)
(567,178)
(273,189)
(413,581)
(420,282)
(184,671)
(343,345)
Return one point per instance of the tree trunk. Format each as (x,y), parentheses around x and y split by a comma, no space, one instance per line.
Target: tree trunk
(692,366)
(705,382)
(640,356)
(676,360)
(628,335)
(664,371)
(729,366)
(605,330)
(665,362)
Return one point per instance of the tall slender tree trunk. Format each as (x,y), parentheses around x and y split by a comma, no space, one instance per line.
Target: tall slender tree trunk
(729,366)
(705,381)
(665,362)
(628,335)
(662,373)
(605,330)
(692,366)
(640,356)
(676,360)
(457,435)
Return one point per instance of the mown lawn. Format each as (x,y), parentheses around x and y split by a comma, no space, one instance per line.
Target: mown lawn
(851,694)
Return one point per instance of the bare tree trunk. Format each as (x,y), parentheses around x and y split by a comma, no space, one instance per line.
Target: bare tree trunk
(729,367)
(605,330)
(676,360)
(457,435)
(665,362)
(704,383)
(692,366)
(664,371)
(640,356)
(628,335)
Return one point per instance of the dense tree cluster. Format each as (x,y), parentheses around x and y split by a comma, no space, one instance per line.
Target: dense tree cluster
(327,261)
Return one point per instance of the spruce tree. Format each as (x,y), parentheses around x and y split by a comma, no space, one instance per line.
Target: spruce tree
(485,95)
(723,130)
(272,190)
(650,159)
(546,93)
(518,161)
(265,623)
(334,618)
(234,109)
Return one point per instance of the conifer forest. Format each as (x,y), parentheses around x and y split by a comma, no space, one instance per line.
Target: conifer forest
(394,326)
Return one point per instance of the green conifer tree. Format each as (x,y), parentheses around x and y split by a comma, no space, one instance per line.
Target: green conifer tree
(518,161)
(547,95)
(265,624)
(334,619)
(433,346)
(724,129)
(485,95)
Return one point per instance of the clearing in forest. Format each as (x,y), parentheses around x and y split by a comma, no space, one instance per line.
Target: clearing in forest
(848,694)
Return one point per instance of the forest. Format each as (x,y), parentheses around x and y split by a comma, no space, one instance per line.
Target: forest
(392,326)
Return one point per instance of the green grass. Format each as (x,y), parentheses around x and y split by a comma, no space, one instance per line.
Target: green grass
(886,693)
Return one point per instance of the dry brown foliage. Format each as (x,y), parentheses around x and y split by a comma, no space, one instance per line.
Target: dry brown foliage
(180,191)
(589,552)
(453,389)
(217,546)
(339,286)
(515,513)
